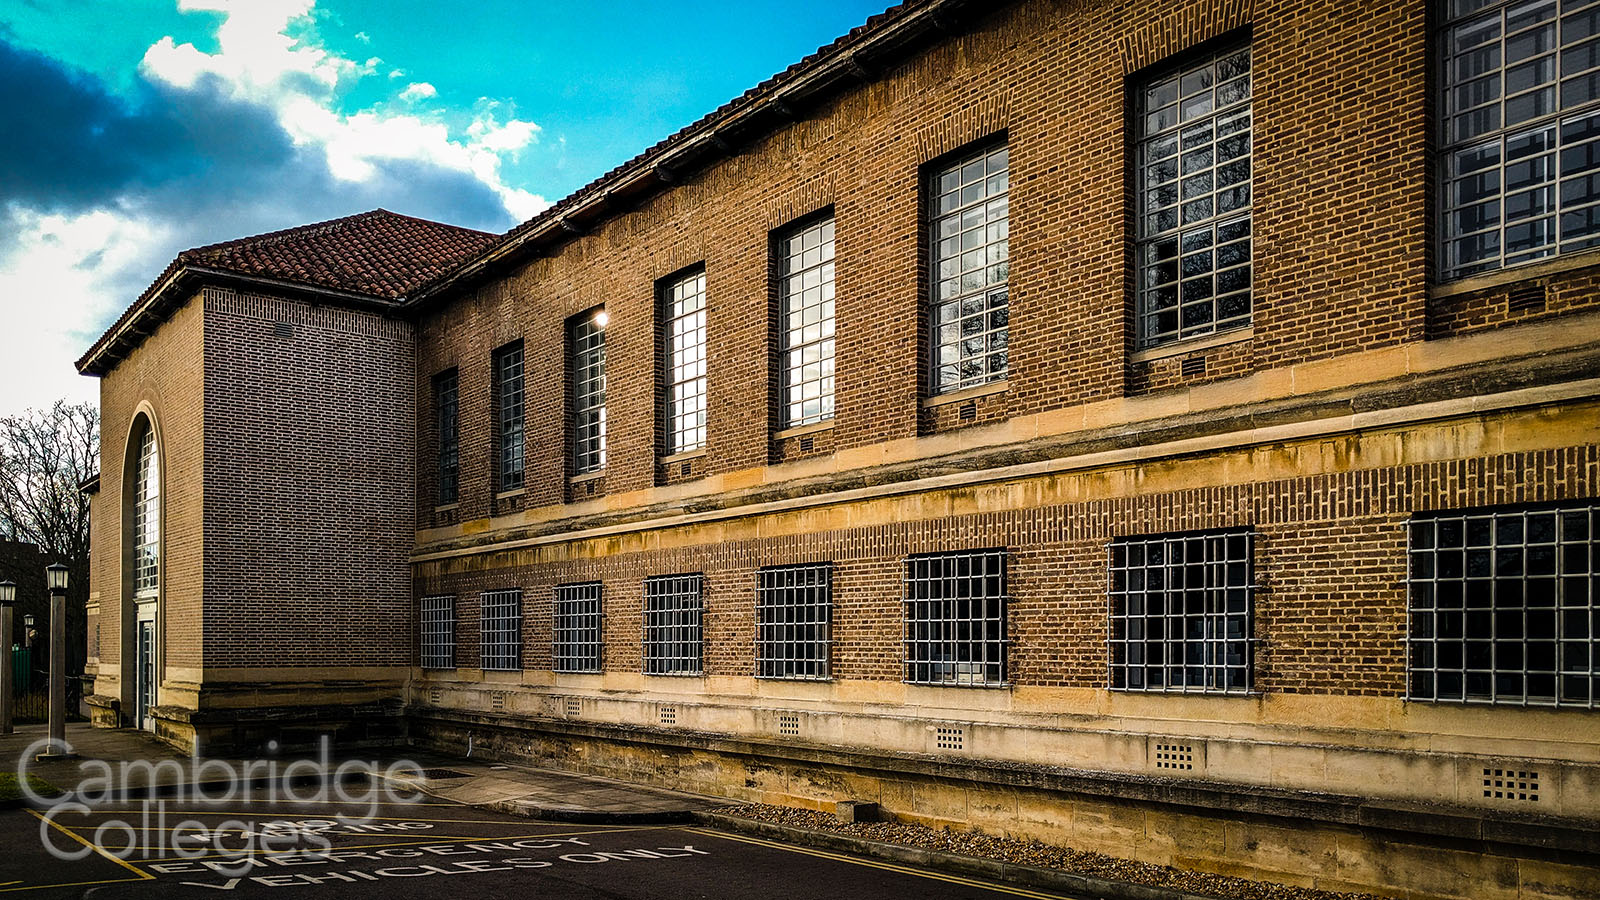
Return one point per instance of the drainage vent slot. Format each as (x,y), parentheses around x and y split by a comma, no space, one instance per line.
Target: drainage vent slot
(1175,756)
(1511,784)
(947,737)
(789,724)
(437,774)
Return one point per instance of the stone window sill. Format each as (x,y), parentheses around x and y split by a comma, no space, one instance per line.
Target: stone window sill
(1193,345)
(1515,274)
(800,430)
(971,393)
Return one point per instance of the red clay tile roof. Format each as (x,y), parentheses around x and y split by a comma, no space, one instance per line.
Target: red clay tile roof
(377,254)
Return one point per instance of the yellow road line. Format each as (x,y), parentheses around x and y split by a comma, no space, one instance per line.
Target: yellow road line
(90,844)
(953,879)
(339,848)
(337,817)
(39,887)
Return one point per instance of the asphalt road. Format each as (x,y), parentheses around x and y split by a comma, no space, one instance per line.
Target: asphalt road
(424,850)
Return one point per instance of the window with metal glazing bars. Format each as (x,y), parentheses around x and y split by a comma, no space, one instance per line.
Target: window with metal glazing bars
(955,612)
(588,377)
(446,386)
(438,621)
(501,645)
(970,227)
(1193,187)
(684,309)
(1519,132)
(673,640)
(1503,606)
(147,516)
(509,387)
(805,290)
(794,612)
(1181,612)
(578,640)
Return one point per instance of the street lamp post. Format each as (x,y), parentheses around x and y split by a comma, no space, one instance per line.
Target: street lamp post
(8,599)
(56,577)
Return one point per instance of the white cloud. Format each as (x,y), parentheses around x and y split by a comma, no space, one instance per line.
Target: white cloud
(257,60)
(61,280)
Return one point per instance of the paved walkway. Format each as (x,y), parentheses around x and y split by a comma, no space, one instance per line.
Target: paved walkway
(522,790)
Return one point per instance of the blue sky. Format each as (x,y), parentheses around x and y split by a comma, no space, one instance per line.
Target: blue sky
(136,128)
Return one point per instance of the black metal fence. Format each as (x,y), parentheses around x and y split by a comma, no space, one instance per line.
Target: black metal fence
(31,688)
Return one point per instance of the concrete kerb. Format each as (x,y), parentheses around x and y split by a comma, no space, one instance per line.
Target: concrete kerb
(580,816)
(953,863)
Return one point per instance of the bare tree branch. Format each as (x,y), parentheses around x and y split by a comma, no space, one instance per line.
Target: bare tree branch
(44,456)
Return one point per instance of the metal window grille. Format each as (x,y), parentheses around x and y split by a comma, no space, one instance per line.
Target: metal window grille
(508,380)
(446,387)
(805,291)
(685,336)
(955,612)
(794,612)
(438,622)
(1181,613)
(501,615)
(147,516)
(673,640)
(588,342)
(969,209)
(1503,606)
(1520,133)
(1194,128)
(577,627)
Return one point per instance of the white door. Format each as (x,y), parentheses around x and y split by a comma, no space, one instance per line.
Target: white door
(145,688)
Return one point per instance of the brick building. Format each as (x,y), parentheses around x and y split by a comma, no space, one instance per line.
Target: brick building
(1243,518)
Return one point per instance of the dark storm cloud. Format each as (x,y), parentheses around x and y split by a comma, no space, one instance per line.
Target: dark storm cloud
(214,167)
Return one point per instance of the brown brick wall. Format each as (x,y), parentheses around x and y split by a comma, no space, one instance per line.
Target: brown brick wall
(1340,193)
(166,373)
(308,484)
(1329,557)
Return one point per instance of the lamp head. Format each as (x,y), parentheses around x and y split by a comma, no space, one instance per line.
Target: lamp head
(8,593)
(56,575)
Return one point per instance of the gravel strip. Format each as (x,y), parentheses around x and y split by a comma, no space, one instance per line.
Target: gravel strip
(1036,853)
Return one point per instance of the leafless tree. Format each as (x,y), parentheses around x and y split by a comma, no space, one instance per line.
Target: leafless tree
(45,455)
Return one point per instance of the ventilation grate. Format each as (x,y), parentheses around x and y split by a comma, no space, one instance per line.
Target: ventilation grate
(807,443)
(574,707)
(435,695)
(669,715)
(969,411)
(1525,298)
(588,488)
(282,329)
(948,737)
(1511,784)
(1194,365)
(789,724)
(1175,756)
(686,469)
(497,701)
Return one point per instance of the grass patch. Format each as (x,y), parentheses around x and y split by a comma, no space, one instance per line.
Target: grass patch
(10,789)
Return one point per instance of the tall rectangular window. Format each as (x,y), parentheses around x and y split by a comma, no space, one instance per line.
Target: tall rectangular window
(587,344)
(1181,608)
(1520,136)
(1504,608)
(438,622)
(446,403)
(805,299)
(794,611)
(955,612)
(673,639)
(970,226)
(578,641)
(683,303)
(501,622)
(509,424)
(1193,175)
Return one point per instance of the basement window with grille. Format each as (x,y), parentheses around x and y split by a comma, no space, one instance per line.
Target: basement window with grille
(794,608)
(438,621)
(501,648)
(1181,610)
(673,638)
(955,618)
(1502,606)
(577,627)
